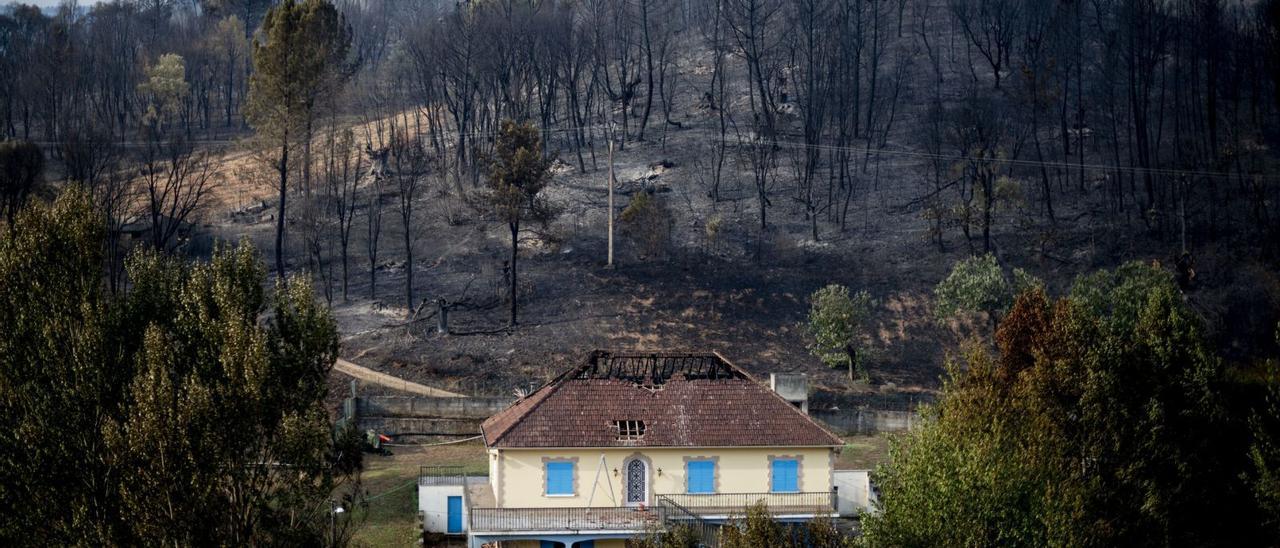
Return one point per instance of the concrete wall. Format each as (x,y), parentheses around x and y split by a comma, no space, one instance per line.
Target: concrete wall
(866,421)
(433,504)
(422,406)
(791,387)
(521,477)
(422,415)
(854,491)
(424,427)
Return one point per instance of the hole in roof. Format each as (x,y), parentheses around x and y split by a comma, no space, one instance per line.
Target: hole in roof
(652,370)
(629,430)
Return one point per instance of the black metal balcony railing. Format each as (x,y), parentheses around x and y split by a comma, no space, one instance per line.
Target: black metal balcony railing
(442,475)
(494,520)
(636,519)
(817,502)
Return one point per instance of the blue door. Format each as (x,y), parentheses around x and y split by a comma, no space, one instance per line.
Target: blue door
(455,515)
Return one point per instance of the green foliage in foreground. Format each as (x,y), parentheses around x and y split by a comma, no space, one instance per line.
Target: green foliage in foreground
(185,411)
(757,529)
(1102,421)
(1264,453)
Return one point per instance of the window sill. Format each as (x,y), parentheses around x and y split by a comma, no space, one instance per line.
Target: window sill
(560,496)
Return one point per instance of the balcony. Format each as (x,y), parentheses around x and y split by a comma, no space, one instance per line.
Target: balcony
(635,519)
(447,475)
(724,505)
(513,520)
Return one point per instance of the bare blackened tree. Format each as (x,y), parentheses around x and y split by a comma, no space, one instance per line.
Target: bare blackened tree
(579,79)
(343,167)
(991,26)
(446,53)
(1032,92)
(373,216)
(21,166)
(410,164)
(754,24)
(92,158)
(656,26)
(981,134)
(176,180)
(811,56)
(618,59)
(717,37)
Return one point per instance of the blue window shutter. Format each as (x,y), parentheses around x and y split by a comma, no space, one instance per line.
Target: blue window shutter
(785,476)
(559,478)
(702,476)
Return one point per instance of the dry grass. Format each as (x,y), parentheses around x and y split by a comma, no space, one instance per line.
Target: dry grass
(391,517)
(864,452)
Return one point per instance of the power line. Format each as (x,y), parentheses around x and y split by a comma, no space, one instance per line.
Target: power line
(431,444)
(708,137)
(389,491)
(1010,161)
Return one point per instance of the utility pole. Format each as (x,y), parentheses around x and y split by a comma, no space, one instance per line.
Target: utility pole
(609,262)
(1182,213)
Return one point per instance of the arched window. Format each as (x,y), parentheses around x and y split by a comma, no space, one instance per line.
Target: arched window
(637,482)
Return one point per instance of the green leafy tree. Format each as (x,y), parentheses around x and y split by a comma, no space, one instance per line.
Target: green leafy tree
(677,536)
(298,58)
(1119,294)
(1094,425)
(166,89)
(977,285)
(186,411)
(836,323)
(517,176)
(55,383)
(647,222)
(959,479)
(758,528)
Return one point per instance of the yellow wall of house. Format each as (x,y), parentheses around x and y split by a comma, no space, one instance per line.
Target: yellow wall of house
(520,479)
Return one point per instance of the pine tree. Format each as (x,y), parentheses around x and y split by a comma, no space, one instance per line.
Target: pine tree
(298,58)
(517,177)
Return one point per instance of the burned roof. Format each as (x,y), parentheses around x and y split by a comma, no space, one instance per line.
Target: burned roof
(654,400)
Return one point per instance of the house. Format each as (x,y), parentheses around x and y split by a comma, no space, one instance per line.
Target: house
(627,444)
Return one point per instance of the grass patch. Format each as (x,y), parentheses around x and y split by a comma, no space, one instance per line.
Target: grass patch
(391,516)
(864,452)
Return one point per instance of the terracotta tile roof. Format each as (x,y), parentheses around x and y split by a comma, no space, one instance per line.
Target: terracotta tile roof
(685,400)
